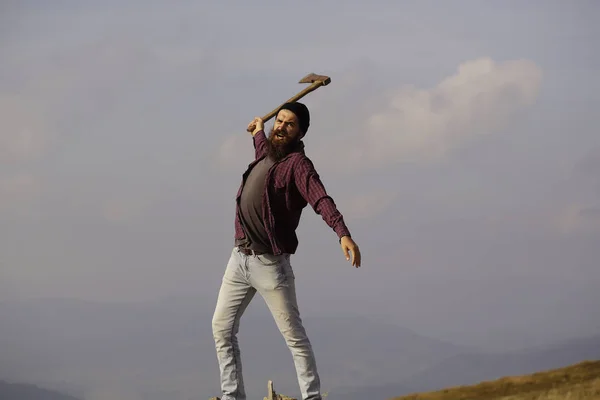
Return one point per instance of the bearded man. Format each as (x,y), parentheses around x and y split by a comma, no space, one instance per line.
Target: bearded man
(275,188)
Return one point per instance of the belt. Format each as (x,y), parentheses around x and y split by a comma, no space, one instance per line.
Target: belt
(250,252)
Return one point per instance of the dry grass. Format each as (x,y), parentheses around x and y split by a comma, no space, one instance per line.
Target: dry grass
(576,382)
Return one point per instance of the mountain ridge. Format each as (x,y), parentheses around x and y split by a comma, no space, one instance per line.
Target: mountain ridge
(28,391)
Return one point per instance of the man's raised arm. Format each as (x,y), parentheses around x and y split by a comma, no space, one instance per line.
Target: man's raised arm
(257,130)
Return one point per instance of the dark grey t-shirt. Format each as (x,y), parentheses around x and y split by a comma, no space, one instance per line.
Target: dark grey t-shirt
(251,208)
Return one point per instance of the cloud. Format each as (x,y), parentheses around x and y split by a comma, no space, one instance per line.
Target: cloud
(577,218)
(22,133)
(16,189)
(379,127)
(424,125)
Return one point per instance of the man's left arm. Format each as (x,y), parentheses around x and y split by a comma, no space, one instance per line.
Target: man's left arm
(311,188)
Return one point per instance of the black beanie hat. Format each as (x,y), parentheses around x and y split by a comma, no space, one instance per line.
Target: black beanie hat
(301,112)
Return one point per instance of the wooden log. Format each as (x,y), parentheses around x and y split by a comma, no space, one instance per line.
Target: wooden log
(270,391)
(272,395)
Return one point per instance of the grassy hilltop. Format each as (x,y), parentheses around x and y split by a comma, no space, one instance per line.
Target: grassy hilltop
(576,382)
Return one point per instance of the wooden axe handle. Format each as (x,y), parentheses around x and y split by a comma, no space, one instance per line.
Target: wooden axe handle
(297,97)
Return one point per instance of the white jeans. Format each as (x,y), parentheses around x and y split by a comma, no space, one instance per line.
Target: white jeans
(273,278)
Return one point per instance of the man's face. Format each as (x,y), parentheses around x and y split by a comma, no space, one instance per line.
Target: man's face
(286,128)
(284,136)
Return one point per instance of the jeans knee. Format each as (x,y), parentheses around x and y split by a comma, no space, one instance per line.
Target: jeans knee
(220,329)
(223,330)
(222,336)
(294,335)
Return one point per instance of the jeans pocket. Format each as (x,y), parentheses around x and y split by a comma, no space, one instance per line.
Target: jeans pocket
(271,272)
(269,259)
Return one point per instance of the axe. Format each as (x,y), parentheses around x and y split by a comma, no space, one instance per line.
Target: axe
(316,82)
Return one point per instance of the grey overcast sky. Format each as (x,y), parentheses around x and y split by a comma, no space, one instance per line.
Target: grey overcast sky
(459,139)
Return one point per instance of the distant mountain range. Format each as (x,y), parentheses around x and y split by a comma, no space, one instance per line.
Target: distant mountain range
(471,368)
(165,350)
(18,391)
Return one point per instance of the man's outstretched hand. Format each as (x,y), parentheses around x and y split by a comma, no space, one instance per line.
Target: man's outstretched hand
(348,245)
(256,126)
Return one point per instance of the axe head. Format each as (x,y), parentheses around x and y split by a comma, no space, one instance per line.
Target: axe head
(312,78)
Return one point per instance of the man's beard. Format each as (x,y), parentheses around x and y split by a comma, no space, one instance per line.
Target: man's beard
(278,150)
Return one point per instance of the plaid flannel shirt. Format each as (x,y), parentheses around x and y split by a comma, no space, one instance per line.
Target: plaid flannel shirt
(291,184)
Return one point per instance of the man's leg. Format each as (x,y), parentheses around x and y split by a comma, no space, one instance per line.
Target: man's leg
(274,279)
(234,296)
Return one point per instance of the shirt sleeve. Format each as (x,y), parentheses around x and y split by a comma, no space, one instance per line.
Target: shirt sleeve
(260,144)
(313,191)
